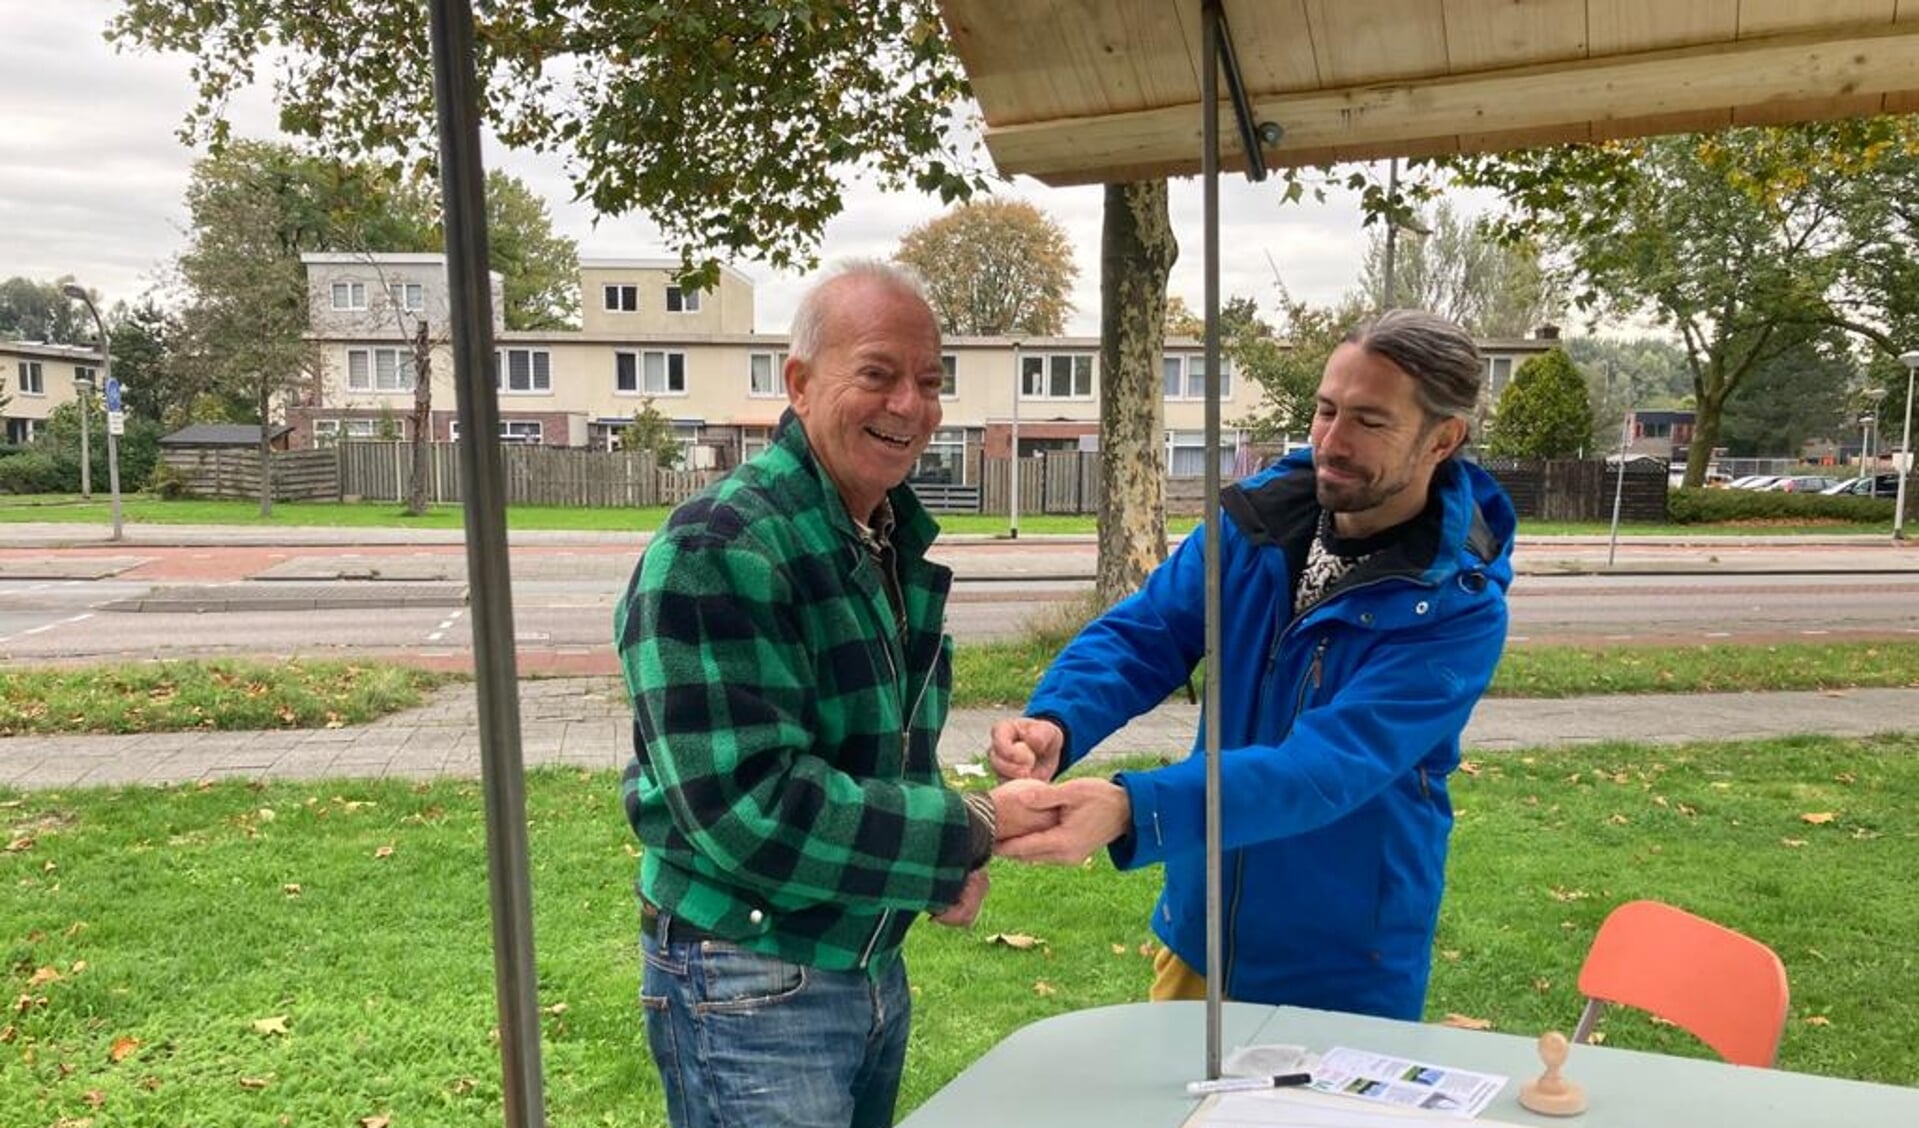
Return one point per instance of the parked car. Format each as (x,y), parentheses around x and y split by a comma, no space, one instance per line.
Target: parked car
(1802,483)
(1752,481)
(1879,485)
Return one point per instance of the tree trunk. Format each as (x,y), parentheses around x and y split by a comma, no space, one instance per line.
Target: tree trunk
(265,405)
(1706,417)
(1137,250)
(422,421)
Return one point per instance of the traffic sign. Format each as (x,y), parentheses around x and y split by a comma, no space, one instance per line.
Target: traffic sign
(113,396)
(116,423)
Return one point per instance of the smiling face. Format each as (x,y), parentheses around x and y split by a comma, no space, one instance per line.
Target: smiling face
(1374,446)
(869,397)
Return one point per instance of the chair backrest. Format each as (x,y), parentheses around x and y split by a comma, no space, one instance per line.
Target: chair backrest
(1727,989)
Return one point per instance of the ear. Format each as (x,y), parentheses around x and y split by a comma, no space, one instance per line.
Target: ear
(1447,438)
(797,377)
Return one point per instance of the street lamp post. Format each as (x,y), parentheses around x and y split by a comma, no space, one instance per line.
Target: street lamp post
(79,293)
(83,388)
(1911,361)
(1019,381)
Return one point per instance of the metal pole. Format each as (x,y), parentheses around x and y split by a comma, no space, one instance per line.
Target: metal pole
(113,440)
(1387,301)
(456,99)
(86,457)
(1212,18)
(1019,382)
(1619,478)
(1905,458)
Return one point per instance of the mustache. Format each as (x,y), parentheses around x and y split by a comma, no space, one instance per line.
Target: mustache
(1339,464)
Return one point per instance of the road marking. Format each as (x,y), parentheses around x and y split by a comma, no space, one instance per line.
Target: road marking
(1810,632)
(1718,634)
(50,626)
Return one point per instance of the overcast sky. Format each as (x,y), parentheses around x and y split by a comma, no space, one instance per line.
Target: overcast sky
(92,177)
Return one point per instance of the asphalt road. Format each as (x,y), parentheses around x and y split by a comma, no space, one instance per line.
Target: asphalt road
(121,603)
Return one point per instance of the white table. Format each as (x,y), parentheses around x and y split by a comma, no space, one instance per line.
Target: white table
(1127,1067)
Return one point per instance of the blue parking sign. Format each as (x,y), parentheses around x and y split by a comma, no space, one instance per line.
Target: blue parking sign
(113,393)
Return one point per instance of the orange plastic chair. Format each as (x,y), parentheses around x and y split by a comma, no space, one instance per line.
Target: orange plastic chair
(1727,989)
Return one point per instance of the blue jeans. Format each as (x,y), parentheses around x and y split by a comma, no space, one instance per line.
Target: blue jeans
(742,1039)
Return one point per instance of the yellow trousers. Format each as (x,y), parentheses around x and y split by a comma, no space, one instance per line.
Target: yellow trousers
(1174,978)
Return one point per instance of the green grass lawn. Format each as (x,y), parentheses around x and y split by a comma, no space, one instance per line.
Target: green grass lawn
(141,509)
(319,952)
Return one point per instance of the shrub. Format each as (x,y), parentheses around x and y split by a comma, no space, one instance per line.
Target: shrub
(1706,507)
(30,472)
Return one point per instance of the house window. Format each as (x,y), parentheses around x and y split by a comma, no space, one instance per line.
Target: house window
(525,431)
(663,373)
(679,299)
(1499,372)
(409,296)
(349,295)
(1186,453)
(1184,377)
(327,432)
(527,371)
(379,370)
(1056,376)
(944,460)
(1661,430)
(949,382)
(33,379)
(20,431)
(766,375)
(622,298)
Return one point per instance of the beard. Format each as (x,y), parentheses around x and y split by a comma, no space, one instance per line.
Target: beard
(1356,495)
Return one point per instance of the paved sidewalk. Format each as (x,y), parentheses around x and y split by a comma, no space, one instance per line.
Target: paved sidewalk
(583,722)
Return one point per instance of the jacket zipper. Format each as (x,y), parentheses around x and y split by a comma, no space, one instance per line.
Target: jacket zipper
(1315,672)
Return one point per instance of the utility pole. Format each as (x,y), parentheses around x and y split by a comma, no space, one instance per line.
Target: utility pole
(111,389)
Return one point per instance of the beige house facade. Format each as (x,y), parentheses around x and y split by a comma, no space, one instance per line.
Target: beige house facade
(37,378)
(698,357)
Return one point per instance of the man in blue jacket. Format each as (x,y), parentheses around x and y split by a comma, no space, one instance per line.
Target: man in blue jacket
(1364,611)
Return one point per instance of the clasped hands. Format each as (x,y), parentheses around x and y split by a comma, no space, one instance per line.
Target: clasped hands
(1040,821)
(1036,820)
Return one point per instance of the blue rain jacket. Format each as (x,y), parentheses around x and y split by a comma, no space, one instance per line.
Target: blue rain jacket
(1338,729)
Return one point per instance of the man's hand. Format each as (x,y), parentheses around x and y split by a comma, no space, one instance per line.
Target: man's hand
(1026,748)
(1091,813)
(961,913)
(1016,811)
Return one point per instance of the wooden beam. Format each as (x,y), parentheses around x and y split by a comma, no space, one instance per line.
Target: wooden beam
(1824,75)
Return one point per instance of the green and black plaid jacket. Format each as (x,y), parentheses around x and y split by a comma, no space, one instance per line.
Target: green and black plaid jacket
(785,781)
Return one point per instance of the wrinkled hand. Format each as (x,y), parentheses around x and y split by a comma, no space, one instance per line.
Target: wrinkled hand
(1026,748)
(1091,813)
(1015,812)
(961,913)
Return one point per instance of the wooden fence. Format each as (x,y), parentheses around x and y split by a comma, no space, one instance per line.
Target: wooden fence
(234,472)
(534,475)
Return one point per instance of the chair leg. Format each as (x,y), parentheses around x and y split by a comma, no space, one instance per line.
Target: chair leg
(1588,1019)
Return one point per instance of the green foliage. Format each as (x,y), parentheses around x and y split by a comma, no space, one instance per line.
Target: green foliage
(994,267)
(1703,506)
(1461,269)
(59,441)
(733,126)
(32,472)
(41,311)
(154,383)
(1286,367)
(387,427)
(168,483)
(1544,412)
(539,270)
(653,432)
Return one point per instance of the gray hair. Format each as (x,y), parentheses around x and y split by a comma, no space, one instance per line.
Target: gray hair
(809,320)
(1440,357)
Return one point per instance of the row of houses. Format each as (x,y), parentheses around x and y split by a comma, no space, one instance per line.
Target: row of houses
(697,356)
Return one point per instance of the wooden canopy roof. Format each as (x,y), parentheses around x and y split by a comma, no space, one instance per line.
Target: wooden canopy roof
(1085,91)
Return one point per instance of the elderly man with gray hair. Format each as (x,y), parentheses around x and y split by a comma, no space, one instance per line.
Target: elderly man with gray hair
(1364,602)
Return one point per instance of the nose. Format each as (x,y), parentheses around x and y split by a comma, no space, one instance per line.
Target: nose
(1331,436)
(903,399)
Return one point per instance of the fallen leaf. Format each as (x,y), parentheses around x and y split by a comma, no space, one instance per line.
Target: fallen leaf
(8,1033)
(1467,1022)
(1119,949)
(1794,843)
(1688,810)
(255,1083)
(1542,985)
(1018,941)
(1149,949)
(1043,988)
(291,889)
(1597,1037)
(1845,777)
(1618,820)
(557,1009)
(44,975)
(273,1024)
(1659,801)
(383,852)
(1450,955)
(24,842)
(1817,818)
(94,1098)
(122,1048)
(375,1121)
(1818,1020)
(1469,767)
(79,966)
